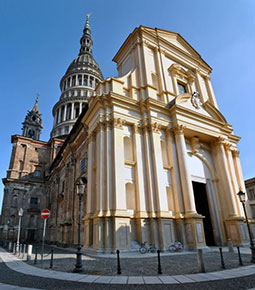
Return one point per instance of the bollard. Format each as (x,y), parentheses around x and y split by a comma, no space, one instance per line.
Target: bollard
(36,251)
(10,246)
(24,251)
(230,246)
(200,261)
(222,261)
(29,252)
(20,249)
(51,259)
(14,248)
(159,264)
(239,256)
(118,262)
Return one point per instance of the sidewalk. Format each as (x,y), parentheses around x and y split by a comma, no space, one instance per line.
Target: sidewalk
(19,266)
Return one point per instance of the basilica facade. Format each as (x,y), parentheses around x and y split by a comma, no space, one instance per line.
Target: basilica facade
(160,160)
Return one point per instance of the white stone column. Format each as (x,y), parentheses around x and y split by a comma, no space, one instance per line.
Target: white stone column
(210,91)
(118,166)
(65,113)
(226,180)
(158,174)
(100,164)
(187,189)
(140,173)
(175,179)
(72,111)
(108,166)
(80,108)
(90,169)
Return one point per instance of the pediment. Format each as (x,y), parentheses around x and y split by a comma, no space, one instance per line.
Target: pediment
(193,103)
(175,39)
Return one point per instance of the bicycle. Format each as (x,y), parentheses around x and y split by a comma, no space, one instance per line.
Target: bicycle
(144,248)
(176,247)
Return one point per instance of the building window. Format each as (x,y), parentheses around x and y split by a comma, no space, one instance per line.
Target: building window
(251,194)
(73,81)
(59,131)
(80,80)
(37,173)
(83,165)
(79,93)
(252,210)
(91,79)
(181,89)
(85,81)
(31,133)
(34,200)
(66,129)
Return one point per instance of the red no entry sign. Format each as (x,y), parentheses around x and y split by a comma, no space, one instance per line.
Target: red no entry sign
(45,213)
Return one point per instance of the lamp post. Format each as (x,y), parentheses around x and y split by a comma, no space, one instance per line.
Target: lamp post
(241,196)
(78,266)
(20,214)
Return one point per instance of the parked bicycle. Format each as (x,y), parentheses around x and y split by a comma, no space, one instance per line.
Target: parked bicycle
(176,247)
(145,248)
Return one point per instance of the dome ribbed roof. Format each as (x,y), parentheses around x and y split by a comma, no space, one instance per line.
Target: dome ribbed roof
(82,62)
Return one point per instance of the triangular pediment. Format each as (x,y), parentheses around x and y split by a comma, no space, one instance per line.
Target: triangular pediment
(174,39)
(193,103)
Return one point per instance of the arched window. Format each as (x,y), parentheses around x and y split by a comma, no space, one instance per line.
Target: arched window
(15,201)
(128,149)
(68,112)
(31,133)
(130,196)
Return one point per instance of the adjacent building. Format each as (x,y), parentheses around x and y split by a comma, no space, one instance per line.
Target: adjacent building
(161,161)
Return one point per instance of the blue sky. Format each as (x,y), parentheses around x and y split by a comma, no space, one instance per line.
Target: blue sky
(39,39)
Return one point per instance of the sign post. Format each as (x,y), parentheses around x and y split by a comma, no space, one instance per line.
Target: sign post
(44,214)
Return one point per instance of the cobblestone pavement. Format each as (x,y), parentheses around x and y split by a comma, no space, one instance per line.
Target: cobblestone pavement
(139,265)
(8,276)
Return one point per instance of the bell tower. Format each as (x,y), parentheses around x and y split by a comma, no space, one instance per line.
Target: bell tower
(32,125)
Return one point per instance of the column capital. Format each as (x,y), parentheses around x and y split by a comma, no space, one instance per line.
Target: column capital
(118,123)
(236,153)
(179,129)
(155,127)
(221,140)
(137,128)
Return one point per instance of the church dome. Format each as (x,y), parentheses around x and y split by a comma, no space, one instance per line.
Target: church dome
(77,86)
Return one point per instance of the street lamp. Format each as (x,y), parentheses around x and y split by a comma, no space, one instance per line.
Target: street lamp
(80,186)
(20,214)
(241,196)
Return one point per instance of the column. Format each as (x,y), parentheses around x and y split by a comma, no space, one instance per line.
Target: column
(55,120)
(226,181)
(187,189)
(118,166)
(210,91)
(65,113)
(158,172)
(90,173)
(108,166)
(72,111)
(178,201)
(59,114)
(80,109)
(198,86)
(100,164)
